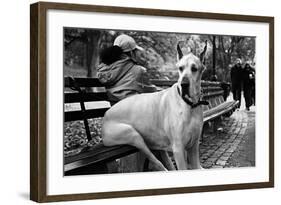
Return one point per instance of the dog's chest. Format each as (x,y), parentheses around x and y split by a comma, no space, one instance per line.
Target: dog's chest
(191,127)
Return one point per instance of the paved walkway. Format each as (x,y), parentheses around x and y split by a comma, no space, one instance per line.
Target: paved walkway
(233,144)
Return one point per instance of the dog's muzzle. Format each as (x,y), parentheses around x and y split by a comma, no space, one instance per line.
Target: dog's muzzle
(186,96)
(185,87)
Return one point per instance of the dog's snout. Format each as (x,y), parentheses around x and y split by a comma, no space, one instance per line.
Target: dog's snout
(185,79)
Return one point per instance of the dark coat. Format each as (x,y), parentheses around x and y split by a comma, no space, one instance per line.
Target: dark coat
(236,76)
(122,78)
(248,76)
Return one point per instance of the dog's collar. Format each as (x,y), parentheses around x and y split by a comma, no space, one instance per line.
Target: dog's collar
(192,104)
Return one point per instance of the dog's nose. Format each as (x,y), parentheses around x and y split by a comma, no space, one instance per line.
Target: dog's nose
(185,80)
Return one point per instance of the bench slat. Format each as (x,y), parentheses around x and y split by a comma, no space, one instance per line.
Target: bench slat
(83,82)
(77,97)
(211,89)
(219,110)
(102,154)
(172,82)
(212,94)
(97,149)
(78,115)
(94,82)
(163,82)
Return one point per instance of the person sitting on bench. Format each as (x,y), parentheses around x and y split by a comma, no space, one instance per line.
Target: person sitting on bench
(119,71)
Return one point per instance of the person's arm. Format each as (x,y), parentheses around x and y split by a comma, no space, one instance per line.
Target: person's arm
(149,88)
(144,81)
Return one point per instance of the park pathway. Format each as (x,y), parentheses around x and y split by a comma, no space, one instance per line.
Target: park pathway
(233,144)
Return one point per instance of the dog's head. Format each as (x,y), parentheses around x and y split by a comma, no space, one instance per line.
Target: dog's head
(190,69)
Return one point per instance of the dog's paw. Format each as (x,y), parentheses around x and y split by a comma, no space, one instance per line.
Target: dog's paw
(201,168)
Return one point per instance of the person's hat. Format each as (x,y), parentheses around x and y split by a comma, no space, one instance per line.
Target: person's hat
(127,43)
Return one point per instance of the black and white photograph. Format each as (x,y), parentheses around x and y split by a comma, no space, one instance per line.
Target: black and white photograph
(147,101)
(131,102)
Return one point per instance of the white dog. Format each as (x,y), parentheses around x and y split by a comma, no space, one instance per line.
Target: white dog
(169,120)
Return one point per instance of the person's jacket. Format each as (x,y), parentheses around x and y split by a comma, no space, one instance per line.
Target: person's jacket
(236,75)
(122,78)
(248,76)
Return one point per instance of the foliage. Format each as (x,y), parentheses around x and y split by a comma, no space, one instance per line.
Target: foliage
(82,50)
(75,138)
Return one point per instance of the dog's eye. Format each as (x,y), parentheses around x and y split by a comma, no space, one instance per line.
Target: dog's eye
(194,68)
(181,68)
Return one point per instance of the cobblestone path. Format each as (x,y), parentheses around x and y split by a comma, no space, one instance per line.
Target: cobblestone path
(232,145)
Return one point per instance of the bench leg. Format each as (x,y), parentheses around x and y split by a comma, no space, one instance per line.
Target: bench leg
(146,165)
(214,126)
(113,167)
(216,123)
(132,163)
(205,125)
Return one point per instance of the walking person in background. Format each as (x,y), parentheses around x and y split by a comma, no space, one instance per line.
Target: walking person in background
(120,72)
(236,80)
(253,86)
(248,84)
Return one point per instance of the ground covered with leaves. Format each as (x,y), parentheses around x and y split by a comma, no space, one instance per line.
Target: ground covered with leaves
(75,138)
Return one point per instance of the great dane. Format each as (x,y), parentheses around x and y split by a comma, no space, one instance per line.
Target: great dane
(169,121)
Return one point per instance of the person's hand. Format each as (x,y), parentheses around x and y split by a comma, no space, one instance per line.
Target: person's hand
(149,88)
(153,88)
(251,76)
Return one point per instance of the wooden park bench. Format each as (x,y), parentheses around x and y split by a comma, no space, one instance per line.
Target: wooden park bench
(96,159)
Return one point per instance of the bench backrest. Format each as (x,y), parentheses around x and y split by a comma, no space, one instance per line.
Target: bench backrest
(212,91)
(79,92)
(90,93)
(83,91)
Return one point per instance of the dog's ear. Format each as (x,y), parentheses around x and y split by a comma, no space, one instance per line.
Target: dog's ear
(180,55)
(202,54)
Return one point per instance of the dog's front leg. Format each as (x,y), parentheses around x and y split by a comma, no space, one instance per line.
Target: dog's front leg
(179,155)
(193,156)
(166,160)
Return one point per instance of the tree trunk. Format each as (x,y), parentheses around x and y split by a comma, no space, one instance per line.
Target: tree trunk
(92,54)
(85,66)
(214,58)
